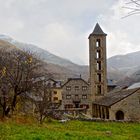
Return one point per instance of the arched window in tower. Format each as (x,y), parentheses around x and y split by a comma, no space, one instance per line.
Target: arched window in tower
(98,43)
(99,77)
(98,54)
(98,65)
(99,89)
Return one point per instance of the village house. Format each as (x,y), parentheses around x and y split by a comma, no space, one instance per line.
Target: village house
(56,90)
(75,94)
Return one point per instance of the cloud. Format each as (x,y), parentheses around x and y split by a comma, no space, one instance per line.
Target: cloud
(65,42)
(123,34)
(63,27)
(60,27)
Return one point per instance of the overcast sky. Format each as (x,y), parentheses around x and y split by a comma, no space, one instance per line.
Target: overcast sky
(63,26)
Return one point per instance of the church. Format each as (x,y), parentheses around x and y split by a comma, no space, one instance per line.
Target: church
(116,105)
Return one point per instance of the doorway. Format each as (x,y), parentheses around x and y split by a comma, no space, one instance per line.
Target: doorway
(119,115)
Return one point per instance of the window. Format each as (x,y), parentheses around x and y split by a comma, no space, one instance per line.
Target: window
(68,88)
(55,92)
(98,54)
(55,98)
(98,43)
(76,87)
(68,96)
(99,77)
(84,96)
(98,65)
(49,84)
(54,84)
(84,87)
(99,90)
(68,106)
(76,96)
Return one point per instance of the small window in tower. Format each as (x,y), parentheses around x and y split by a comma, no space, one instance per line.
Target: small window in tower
(98,43)
(99,89)
(98,65)
(99,77)
(98,54)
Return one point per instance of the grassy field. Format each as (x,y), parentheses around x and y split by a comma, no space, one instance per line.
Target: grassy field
(72,130)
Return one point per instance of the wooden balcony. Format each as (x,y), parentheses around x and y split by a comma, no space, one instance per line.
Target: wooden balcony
(76,100)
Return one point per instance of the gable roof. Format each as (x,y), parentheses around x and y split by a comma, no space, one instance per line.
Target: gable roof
(97,31)
(114,97)
(75,79)
(54,84)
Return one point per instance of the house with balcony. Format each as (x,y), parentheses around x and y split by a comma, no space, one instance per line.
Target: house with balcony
(76,95)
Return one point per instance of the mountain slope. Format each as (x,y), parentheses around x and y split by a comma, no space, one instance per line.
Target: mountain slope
(70,69)
(43,54)
(122,68)
(127,64)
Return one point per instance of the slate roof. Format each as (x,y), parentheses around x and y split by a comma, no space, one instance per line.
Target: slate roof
(75,79)
(54,84)
(97,31)
(114,97)
(110,82)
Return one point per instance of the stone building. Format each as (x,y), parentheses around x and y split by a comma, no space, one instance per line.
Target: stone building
(117,105)
(121,105)
(75,94)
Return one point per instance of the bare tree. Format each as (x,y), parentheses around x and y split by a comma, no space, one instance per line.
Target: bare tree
(18,73)
(42,99)
(133,6)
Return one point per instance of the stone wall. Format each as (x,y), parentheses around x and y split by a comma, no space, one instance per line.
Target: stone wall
(76,95)
(130,106)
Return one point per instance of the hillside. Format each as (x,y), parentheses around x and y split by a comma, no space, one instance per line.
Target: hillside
(67,66)
(128,66)
(128,63)
(62,68)
(58,71)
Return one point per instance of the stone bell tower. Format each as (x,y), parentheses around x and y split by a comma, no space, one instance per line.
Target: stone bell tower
(97,61)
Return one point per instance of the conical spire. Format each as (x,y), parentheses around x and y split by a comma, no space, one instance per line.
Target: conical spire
(97,31)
